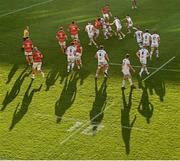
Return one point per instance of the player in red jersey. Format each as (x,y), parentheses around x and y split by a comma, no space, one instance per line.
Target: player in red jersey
(37,62)
(73,29)
(106,12)
(61,37)
(28,46)
(79,51)
(97,26)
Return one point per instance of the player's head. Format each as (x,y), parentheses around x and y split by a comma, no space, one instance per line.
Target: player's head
(61,28)
(73,22)
(127,55)
(115,17)
(99,19)
(27,27)
(127,15)
(101,47)
(147,30)
(72,43)
(35,48)
(89,23)
(107,5)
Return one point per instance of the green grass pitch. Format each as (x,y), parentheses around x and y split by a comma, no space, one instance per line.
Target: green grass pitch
(53,118)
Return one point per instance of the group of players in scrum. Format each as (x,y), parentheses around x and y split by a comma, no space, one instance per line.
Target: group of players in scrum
(148,44)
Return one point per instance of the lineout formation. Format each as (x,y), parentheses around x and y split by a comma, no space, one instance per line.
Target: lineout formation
(148,45)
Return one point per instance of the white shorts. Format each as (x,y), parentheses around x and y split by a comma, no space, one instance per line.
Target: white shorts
(154,45)
(143,61)
(62,43)
(126,72)
(28,53)
(146,44)
(71,59)
(97,31)
(118,28)
(90,35)
(102,64)
(106,16)
(78,56)
(37,65)
(75,36)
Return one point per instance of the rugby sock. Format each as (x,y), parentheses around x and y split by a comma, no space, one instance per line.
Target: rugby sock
(72,65)
(142,69)
(146,70)
(123,83)
(130,81)
(157,53)
(68,67)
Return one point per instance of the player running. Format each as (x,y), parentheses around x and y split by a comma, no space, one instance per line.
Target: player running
(26,33)
(147,39)
(37,63)
(134,4)
(155,41)
(126,67)
(129,23)
(91,33)
(118,25)
(71,53)
(73,29)
(28,46)
(106,12)
(97,27)
(139,37)
(78,55)
(103,59)
(143,54)
(61,37)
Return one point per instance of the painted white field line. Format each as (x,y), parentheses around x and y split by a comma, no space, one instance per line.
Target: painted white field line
(25,8)
(136,66)
(159,68)
(83,126)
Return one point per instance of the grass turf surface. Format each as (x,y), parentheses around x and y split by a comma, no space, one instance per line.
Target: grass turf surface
(29,127)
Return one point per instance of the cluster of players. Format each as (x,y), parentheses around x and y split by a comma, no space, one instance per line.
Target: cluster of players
(148,45)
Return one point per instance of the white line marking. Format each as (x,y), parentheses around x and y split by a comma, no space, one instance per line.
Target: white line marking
(22,9)
(159,68)
(136,66)
(84,125)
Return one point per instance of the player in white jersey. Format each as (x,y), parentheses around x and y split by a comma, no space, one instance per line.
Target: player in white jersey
(134,4)
(106,29)
(139,37)
(129,23)
(118,25)
(91,33)
(71,55)
(126,67)
(103,59)
(143,54)
(146,39)
(155,41)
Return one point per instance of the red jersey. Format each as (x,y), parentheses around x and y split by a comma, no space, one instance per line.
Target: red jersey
(78,46)
(97,24)
(37,56)
(105,10)
(73,29)
(28,45)
(61,36)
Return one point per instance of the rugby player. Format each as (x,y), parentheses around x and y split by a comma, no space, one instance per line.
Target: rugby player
(61,37)
(155,41)
(28,46)
(73,29)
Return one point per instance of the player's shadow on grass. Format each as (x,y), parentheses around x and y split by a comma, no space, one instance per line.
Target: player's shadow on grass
(19,113)
(145,107)
(99,104)
(126,124)
(83,74)
(67,97)
(12,72)
(10,96)
(56,72)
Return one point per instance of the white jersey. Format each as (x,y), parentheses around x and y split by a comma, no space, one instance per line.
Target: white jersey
(89,29)
(117,23)
(129,21)
(139,36)
(143,54)
(71,51)
(125,65)
(101,56)
(155,40)
(146,38)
